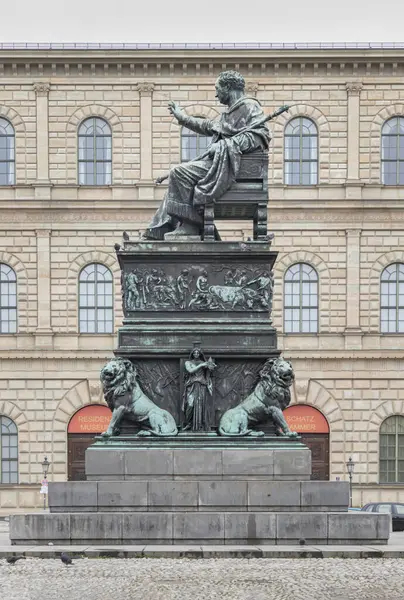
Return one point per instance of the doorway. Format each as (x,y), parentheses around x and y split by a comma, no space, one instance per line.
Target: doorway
(84,425)
(312,425)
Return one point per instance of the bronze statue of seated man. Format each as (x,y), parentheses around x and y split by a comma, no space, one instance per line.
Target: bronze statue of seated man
(240,129)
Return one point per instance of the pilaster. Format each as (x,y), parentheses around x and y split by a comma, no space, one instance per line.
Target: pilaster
(252,88)
(145,90)
(353,178)
(42,184)
(353,332)
(43,333)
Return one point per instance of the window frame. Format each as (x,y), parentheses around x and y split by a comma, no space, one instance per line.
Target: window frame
(8,307)
(9,446)
(9,174)
(94,161)
(96,306)
(397,161)
(384,480)
(387,307)
(197,136)
(300,161)
(300,307)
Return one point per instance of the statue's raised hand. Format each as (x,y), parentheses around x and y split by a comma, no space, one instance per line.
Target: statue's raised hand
(175,110)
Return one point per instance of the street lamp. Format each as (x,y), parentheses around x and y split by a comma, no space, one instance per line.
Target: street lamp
(44,487)
(350,465)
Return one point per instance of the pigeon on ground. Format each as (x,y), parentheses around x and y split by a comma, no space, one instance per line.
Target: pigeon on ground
(13,559)
(65,558)
(302,542)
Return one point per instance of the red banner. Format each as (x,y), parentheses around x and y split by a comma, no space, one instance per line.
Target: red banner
(94,418)
(306,419)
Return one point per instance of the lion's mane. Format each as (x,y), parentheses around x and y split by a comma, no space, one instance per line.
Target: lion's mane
(277,376)
(118,376)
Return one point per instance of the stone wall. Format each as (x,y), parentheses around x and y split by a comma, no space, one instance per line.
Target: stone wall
(348,227)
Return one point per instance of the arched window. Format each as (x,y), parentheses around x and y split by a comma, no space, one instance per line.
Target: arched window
(193,144)
(7,153)
(301,152)
(301,299)
(95,152)
(393,151)
(8,299)
(8,451)
(392,450)
(392,299)
(96,300)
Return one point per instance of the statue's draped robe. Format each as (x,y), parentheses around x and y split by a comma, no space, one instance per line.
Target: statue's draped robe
(196,403)
(192,184)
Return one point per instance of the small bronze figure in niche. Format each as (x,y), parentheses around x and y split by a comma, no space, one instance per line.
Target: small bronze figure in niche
(198,392)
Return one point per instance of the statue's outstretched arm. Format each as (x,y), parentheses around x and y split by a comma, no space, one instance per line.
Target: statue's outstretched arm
(198,124)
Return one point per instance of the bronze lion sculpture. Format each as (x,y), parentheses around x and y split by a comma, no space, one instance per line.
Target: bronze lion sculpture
(266,402)
(125,397)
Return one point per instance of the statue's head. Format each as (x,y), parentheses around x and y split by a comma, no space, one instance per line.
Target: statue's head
(117,377)
(227,82)
(278,370)
(197,354)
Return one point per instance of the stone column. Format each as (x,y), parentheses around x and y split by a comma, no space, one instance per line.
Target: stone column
(353,91)
(145,90)
(43,333)
(353,332)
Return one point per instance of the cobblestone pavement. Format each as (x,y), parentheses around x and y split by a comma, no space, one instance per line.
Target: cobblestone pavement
(210,579)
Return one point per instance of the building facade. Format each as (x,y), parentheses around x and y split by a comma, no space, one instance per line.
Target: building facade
(84,132)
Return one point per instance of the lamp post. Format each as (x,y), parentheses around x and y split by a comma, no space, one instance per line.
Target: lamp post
(350,465)
(44,487)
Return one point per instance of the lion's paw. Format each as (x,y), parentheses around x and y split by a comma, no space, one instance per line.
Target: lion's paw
(144,433)
(255,433)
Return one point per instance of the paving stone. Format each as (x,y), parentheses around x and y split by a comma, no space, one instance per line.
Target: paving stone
(212,578)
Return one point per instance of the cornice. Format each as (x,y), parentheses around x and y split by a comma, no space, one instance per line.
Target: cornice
(189,61)
(322,355)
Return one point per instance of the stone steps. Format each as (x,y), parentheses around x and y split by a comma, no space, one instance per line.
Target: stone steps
(184,527)
(151,495)
(212,457)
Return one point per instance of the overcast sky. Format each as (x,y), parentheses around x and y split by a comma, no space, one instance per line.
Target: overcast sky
(202,21)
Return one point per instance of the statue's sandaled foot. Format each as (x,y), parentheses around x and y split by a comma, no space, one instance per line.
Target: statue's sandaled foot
(106,434)
(183,230)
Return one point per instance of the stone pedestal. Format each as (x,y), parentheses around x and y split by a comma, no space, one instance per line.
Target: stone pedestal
(199,488)
(198,456)
(161,491)
(166,314)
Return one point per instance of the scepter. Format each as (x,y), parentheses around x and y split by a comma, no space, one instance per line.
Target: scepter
(262,121)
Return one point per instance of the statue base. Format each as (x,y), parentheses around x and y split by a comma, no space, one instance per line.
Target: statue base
(178,295)
(199,489)
(193,456)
